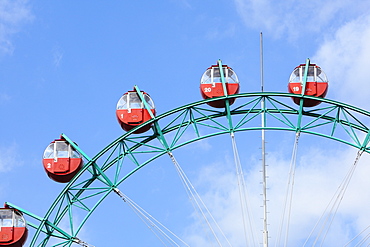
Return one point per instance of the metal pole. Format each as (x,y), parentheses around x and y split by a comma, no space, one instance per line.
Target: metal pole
(304,82)
(264,177)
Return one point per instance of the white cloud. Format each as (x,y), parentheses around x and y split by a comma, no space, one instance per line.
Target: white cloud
(345,59)
(298,18)
(318,175)
(13,13)
(9,157)
(221,198)
(340,30)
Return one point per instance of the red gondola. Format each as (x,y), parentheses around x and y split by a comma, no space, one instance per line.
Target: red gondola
(131,111)
(61,161)
(211,85)
(316,85)
(13,230)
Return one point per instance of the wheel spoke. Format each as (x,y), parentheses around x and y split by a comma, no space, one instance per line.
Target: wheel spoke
(283,231)
(247,217)
(198,203)
(159,230)
(326,219)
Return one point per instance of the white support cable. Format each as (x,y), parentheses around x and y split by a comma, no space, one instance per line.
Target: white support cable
(152,227)
(239,174)
(321,217)
(343,188)
(334,203)
(362,241)
(243,194)
(149,220)
(191,196)
(195,198)
(293,167)
(198,200)
(82,243)
(288,196)
(150,224)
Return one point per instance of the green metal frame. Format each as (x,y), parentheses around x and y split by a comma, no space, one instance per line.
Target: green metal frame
(103,173)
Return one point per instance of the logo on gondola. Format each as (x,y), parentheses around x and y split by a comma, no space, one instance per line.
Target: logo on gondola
(4,236)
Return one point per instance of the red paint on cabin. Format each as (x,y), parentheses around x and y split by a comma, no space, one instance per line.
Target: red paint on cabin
(131,111)
(316,85)
(211,85)
(61,162)
(13,230)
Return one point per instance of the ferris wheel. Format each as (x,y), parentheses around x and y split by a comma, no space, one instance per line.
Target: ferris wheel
(212,148)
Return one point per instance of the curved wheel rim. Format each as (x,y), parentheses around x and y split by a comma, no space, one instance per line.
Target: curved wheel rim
(334,120)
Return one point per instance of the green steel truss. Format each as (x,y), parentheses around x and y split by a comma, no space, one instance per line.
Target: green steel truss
(103,173)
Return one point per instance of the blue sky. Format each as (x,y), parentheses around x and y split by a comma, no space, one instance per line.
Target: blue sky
(64,65)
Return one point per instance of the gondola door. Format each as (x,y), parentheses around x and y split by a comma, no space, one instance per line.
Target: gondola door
(6,226)
(62,159)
